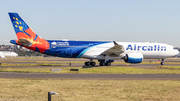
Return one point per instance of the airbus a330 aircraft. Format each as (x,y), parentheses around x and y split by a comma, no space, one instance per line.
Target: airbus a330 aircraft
(104,51)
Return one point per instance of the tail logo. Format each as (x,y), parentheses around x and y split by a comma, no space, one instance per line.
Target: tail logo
(20,26)
(26,36)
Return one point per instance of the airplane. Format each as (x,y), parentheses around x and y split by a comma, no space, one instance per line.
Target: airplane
(4,54)
(104,51)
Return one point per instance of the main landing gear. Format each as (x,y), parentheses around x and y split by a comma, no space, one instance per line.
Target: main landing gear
(162,62)
(101,63)
(105,63)
(90,63)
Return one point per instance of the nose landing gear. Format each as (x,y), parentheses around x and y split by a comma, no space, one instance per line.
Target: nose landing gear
(162,62)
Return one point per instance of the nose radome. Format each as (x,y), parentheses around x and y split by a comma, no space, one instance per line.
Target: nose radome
(176,52)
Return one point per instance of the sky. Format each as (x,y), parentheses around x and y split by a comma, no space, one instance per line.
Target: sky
(99,20)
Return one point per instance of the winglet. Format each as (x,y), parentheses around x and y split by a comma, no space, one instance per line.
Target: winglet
(115,50)
(117,46)
(115,43)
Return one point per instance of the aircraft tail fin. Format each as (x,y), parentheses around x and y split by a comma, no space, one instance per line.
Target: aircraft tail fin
(21,28)
(26,36)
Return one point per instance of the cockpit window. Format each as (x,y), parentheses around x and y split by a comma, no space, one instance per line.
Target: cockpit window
(176,48)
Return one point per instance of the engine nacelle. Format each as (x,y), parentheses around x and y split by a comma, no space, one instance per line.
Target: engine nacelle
(133,58)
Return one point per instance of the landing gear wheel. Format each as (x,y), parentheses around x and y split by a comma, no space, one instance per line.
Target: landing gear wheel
(162,63)
(87,63)
(102,63)
(108,64)
(92,63)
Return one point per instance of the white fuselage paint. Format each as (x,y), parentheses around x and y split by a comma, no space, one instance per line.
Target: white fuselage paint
(149,50)
(7,54)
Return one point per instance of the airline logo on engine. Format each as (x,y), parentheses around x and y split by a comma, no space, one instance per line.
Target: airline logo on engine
(146,48)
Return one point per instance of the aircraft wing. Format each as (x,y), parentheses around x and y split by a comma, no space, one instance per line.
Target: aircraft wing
(116,50)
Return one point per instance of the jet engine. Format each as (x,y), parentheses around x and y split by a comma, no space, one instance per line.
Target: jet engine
(133,58)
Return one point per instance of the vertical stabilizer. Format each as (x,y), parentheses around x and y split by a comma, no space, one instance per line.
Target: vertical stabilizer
(26,36)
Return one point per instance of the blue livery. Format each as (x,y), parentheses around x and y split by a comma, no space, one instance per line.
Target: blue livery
(70,49)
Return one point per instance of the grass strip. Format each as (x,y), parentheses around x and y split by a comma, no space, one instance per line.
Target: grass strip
(89,90)
(45,64)
(82,62)
(105,70)
(169,67)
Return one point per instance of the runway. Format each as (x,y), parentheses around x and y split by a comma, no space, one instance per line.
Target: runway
(79,63)
(91,76)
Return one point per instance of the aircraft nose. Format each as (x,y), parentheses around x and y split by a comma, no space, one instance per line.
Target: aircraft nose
(16,54)
(176,52)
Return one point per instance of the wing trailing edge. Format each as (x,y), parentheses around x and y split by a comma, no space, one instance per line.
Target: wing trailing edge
(116,50)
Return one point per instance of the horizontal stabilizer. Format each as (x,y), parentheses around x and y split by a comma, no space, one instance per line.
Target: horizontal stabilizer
(25,42)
